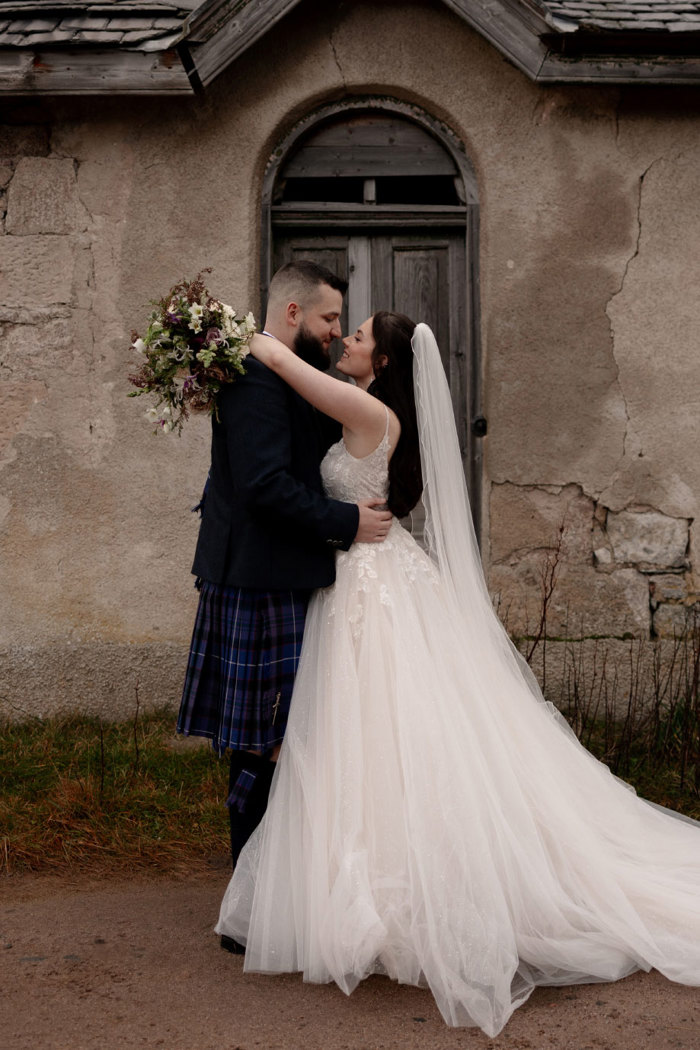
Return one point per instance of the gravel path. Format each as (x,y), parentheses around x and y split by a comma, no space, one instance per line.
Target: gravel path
(119,963)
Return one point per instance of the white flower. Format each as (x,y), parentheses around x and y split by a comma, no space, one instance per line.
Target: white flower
(139,346)
(167,426)
(166,411)
(250,322)
(152,415)
(196,314)
(228,326)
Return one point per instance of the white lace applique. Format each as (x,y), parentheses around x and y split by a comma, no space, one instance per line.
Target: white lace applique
(348,478)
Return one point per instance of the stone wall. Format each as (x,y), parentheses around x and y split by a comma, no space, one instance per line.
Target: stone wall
(589,265)
(619,574)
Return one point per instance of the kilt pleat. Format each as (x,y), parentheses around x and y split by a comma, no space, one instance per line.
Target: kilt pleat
(243,658)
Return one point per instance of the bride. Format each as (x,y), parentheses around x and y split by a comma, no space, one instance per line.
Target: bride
(432,817)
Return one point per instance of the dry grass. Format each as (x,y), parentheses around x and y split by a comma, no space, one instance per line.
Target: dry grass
(82,795)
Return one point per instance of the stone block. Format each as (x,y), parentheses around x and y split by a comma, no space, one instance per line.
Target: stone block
(586,677)
(647,539)
(584,602)
(33,351)
(17,402)
(33,314)
(670,587)
(674,620)
(6,171)
(22,140)
(36,271)
(43,197)
(525,518)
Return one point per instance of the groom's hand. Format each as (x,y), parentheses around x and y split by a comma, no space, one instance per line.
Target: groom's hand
(374,523)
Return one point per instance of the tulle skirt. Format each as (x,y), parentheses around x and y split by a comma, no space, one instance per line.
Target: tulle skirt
(434,820)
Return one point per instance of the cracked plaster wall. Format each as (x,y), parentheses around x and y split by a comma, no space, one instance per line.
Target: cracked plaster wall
(589,227)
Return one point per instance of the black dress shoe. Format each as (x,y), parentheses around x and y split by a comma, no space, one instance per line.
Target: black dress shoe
(229,945)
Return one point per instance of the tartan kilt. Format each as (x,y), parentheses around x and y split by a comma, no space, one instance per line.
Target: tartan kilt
(243,658)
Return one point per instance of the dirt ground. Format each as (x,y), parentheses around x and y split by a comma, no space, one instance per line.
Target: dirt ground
(127,963)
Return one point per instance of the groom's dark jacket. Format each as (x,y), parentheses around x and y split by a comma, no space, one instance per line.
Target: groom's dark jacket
(265,521)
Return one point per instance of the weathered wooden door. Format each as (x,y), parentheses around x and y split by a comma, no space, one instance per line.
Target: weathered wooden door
(380,201)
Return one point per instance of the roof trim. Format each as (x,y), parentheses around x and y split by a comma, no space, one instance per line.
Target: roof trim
(542,39)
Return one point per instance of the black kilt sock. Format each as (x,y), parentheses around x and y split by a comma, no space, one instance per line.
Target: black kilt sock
(242,825)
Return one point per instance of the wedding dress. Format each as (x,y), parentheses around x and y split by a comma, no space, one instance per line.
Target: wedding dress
(432,817)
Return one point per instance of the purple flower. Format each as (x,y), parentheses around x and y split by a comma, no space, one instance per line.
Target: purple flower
(173,318)
(214,336)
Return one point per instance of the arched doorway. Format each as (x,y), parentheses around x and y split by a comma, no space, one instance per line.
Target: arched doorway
(385,196)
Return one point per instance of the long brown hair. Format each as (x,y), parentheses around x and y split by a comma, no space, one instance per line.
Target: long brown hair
(393,385)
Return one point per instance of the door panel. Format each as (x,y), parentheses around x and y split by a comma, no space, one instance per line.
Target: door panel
(424,276)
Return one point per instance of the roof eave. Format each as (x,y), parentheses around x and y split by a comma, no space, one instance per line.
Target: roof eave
(92,72)
(547,49)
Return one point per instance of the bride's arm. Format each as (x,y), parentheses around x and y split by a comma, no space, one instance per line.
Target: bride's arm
(357,410)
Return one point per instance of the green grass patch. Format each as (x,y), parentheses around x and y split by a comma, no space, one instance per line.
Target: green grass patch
(81,794)
(78,794)
(655,761)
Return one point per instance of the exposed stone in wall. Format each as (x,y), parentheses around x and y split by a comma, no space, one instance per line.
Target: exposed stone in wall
(583,603)
(648,539)
(596,674)
(37,271)
(667,588)
(617,573)
(43,197)
(524,518)
(6,170)
(674,620)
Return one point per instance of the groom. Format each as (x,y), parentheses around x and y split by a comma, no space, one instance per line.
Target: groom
(267,539)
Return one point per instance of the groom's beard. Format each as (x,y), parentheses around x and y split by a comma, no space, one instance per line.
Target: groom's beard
(310,349)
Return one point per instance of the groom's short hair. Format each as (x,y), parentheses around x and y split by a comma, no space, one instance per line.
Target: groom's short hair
(299,282)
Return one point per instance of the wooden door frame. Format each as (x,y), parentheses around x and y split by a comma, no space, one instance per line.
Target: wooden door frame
(455,148)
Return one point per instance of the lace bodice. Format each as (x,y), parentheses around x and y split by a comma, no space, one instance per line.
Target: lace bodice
(347,478)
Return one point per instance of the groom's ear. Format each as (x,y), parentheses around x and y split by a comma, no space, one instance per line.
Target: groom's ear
(293,314)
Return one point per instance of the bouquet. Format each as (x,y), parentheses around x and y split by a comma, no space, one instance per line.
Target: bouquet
(193,346)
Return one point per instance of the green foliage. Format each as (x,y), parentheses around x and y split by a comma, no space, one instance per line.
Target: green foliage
(78,793)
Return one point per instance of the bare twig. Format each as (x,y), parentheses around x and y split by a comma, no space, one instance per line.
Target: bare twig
(137,752)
